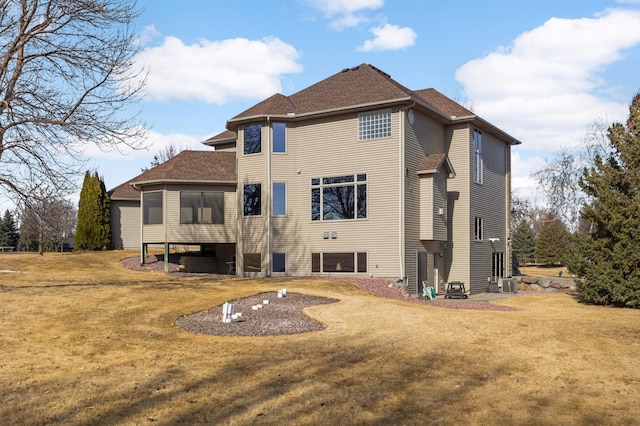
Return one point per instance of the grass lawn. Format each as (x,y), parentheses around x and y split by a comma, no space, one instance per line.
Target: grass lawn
(85,341)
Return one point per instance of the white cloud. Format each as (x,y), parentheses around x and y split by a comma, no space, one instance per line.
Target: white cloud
(389,37)
(344,13)
(148,33)
(152,144)
(545,88)
(217,71)
(523,185)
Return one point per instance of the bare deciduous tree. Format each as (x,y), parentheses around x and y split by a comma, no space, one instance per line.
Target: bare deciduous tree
(46,219)
(167,153)
(559,178)
(67,78)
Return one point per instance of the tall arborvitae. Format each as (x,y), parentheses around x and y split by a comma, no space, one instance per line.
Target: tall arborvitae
(608,258)
(93,231)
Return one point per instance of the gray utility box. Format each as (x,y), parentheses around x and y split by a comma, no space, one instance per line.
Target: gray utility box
(507,285)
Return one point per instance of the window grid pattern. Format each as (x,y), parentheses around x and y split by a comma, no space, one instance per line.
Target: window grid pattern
(339,197)
(374,125)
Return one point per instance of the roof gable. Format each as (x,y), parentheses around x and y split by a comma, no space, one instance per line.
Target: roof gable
(432,164)
(361,85)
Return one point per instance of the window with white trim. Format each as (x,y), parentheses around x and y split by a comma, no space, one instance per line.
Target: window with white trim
(201,207)
(339,197)
(279,199)
(374,125)
(252,141)
(478,228)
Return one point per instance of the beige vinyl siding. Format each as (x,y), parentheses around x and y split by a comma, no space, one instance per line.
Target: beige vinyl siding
(426,207)
(125,224)
(424,137)
(252,230)
(286,230)
(489,202)
(330,147)
(439,184)
(458,139)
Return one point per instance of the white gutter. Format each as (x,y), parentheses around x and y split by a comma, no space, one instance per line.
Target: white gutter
(291,116)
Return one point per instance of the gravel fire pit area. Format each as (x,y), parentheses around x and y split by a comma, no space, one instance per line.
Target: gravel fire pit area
(281,315)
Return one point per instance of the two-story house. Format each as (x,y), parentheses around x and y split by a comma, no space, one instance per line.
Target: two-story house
(354,175)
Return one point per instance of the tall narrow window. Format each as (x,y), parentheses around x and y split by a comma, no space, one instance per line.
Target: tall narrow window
(253,199)
(497,266)
(479,229)
(252,141)
(152,210)
(477,157)
(279,137)
(279,199)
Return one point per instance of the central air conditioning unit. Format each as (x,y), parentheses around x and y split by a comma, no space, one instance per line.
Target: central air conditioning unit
(507,285)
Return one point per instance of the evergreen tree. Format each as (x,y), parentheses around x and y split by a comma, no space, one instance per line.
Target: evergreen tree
(608,258)
(9,234)
(523,243)
(553,242)
(94,229)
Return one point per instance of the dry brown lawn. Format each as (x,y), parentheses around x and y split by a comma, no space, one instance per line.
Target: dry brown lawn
(85,341)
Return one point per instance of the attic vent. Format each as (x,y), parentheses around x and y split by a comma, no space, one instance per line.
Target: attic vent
(355,68)
(345,70)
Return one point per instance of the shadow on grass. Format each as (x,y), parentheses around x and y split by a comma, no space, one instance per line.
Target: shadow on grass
(351,382)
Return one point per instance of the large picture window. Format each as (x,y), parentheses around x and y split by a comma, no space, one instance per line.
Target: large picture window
(252,199)
(152,208)
(339,197)
(201,207)
(374,125)
(252,141)
(279,137)
(477,157)
(348,262)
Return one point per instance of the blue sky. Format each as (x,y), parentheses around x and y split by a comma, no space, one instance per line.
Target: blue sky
(542,71)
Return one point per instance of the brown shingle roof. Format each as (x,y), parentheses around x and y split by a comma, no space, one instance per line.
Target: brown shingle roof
(433,162)
(199,166)
(124,191)
(350,87)
(442,103)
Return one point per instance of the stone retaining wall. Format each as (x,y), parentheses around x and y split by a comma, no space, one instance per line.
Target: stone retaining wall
(545,285)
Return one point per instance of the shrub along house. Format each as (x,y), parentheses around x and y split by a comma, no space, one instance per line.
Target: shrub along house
(354,175)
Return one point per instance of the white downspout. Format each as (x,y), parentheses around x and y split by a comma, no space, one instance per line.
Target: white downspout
(269,195)
(401,157)
(141,227)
